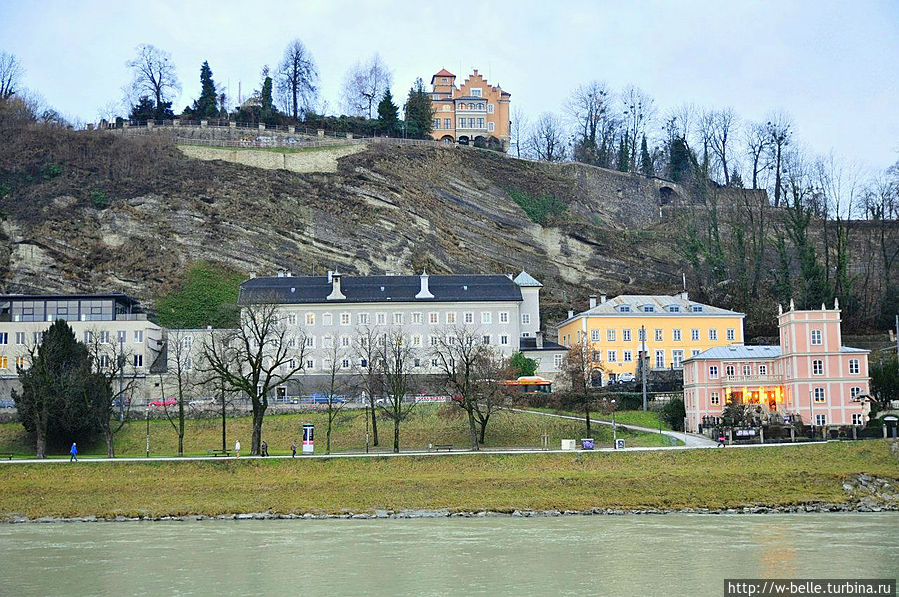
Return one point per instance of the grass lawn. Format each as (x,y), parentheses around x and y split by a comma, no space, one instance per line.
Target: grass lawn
(772,476)
(427,424)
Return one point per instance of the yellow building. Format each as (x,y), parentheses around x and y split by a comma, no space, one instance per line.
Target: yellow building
(668,329)
(475,112)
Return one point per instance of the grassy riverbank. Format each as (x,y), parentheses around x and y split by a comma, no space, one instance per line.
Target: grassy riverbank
(428,424)
(773,476)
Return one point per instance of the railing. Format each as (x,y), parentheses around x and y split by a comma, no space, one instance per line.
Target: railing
(751,379)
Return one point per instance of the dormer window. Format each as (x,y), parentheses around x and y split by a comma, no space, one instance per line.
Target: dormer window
(624,309)
(443,80)
(673,308)
(648,309)
(697,308)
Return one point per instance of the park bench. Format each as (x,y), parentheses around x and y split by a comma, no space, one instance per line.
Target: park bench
(447,447)
(218,452)
(6,455)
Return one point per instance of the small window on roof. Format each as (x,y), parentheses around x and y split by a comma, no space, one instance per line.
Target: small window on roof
(648,309)
(697,308)
(674,308)
(624,308)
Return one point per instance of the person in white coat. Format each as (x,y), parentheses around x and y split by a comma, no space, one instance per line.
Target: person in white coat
(237,448)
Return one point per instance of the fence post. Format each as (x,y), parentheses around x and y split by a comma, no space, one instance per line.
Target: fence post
(291,129)
(321,132)
(261,126)
(203,124)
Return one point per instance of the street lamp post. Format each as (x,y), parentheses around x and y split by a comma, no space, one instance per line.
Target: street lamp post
(148,430)
(614,428)
(644,360)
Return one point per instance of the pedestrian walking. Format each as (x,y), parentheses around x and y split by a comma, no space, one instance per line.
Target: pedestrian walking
(74,453)
(237,448)
(721,440)
(264,448)
(293,449)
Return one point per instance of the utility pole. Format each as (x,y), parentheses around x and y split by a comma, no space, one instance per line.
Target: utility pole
(897,336)
(643,361)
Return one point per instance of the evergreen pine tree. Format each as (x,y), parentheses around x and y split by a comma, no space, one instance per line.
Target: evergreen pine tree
(646,166)
(387,113)
(207,105)
(419,112)
(623,155)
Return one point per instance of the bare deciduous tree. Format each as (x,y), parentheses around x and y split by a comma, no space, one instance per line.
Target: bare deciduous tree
(255,358)
(780,132)
(395,358)
(589,107)
(114,362)
(546,139)
(11,73)
(365,356)
(638,111)
(724,123)
(181,368)
(519,127)
(335,384)
(578,368)
(153,74)
(297,78)
(758,145)
(364,85)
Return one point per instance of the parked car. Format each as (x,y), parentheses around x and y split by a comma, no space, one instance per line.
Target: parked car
(7,403)
(626,378)
(201,402)
(164,402)
(323,399)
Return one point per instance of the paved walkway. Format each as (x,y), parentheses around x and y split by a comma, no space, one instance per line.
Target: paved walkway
(691,440)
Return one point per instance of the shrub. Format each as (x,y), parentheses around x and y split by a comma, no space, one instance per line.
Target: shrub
(205,295)
(541,210)
(673,413)
(99,199)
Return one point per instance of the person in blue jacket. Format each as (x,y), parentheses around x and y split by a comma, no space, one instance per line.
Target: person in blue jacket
(74,452)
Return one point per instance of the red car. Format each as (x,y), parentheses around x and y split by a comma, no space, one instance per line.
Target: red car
(165,402)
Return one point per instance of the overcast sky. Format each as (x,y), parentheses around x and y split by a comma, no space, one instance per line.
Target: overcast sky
(832,65)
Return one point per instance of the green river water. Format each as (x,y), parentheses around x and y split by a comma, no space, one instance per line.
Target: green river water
(590,555)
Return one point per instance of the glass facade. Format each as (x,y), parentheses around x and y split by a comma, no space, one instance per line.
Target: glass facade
(65,308)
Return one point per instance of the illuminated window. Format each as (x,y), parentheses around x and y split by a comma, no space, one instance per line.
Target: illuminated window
(819,395)
(310,319)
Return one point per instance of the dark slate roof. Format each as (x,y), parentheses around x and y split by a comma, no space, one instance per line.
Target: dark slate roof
(379,289)
(529,344)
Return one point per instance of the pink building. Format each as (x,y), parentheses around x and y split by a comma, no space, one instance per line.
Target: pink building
(810,374)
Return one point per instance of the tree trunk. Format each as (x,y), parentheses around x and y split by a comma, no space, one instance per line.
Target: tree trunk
(374,421)
(110,443)
(257,431)
(587,413)
(473,430)
(396,435)
(483,425)
(180,423)
(40,447)
(224,438)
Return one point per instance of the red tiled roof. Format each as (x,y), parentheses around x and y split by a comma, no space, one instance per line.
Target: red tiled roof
(444,73)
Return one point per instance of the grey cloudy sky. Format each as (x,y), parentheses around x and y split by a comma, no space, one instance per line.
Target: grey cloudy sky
(832,65)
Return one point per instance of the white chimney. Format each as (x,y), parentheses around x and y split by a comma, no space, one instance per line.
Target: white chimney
(330,273)
(570,314)
(592,301)
(684,295)
(602,298)
(539,339)
(424,293)
(336,293)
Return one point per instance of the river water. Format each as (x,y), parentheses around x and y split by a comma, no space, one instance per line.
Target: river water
(592,555)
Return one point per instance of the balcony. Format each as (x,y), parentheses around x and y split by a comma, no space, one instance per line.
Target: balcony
(745,380)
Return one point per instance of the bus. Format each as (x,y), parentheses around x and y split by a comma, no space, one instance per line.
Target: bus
(531,384)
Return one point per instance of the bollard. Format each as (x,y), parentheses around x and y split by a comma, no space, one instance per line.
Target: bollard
(261,126)
(176,122)
(792,434)
(761,435)
(884,432)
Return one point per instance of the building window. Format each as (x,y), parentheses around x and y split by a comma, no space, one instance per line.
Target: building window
(433,318)
(675,335)
(327,341)
(490,127)
(345,363)
(292,319)
(345,341)
(817,367)
(677,358)
(857,419)
(397,319)
(4,363)
(853,367)
(525,319)
(475,92)
(88,337)
(485,338)
(613,356)
(382,318)
(713,335)
(816,337)
(436,124)
(821,420)
(763,369)
(714,398)
(480,123)
(628,356)
(20,338)
(363,318)
(641,335)
(310,318)
(468,318)
(747,369)
(695,352)
(416,318)
(557,360)
(694,335)
(649,309)
(660,335)
(4,337)
(450,317)
(416,340)
(731,334)
(327,319)
(310,341)
(138,360)
(819,395)
(626,335)
(624,308)
(854,393)
(447,123)
(729,370)
(187,342)
(433,340)
(504,340)
(713,371)
(660,359)
(594,335)
(490,108)
(20,362)
(504,317)
(104,337)
(697,308)
(122,336)
(310,364)
(486,317)
(344,319)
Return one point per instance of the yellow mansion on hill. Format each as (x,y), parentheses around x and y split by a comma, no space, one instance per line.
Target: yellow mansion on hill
(476,111)
(669,329)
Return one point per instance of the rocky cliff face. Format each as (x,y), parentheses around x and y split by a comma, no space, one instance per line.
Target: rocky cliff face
(90,211)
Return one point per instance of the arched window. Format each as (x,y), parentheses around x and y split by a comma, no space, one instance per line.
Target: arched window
(480,106)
